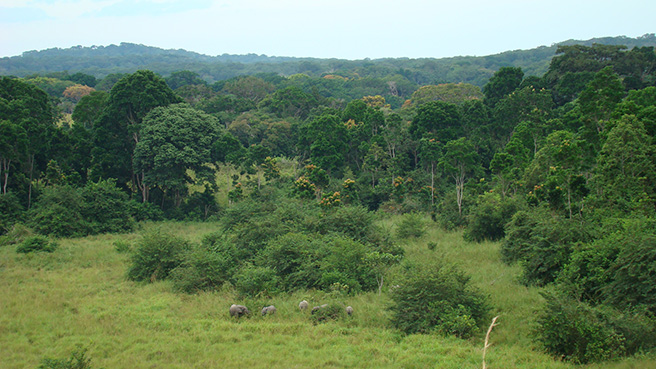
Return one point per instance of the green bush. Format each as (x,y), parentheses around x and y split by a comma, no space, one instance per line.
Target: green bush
(106,207)
(58,212)
(36,244)
(156,255)
(411,226)
(78,360)
(582,333)
(333,311)
(255,281)
(17,234)
(437,298)
(65,211)
(206,267)
(543,242)
(11,212)
(487,220)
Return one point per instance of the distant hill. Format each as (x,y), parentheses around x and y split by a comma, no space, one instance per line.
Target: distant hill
(127,58)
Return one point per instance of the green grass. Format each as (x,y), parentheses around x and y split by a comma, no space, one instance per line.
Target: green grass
(49,303)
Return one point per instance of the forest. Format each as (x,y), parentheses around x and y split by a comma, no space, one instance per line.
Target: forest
(298,176)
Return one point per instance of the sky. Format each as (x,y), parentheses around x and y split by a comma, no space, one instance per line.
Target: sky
(344,29)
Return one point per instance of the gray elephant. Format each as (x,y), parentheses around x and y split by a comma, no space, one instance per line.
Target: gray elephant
(349,310)
(238,310)
(270,310)
(303,305)
(317,308)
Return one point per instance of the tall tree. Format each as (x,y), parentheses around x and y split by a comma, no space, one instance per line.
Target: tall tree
(460,162)
(117,131)
(175,140)
(503,82)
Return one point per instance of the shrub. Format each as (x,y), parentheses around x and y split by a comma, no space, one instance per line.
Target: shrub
(411,225)
(65,211)
(333,311)
(256,281)
(78,360)
(122,247)
(488,218)
(58,212)
(583,333)
(17,234)
(156,255)
(11,211)
(141,211)
(36,244)
(106,207)
(543,242)
(206,267)
(437,298)
(633,273)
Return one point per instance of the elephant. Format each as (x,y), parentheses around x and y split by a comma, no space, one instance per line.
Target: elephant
(317,308)
(303,305)
(269,310)
(238,310)
(349,310)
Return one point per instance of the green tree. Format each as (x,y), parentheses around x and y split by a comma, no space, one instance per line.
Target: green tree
(503,83)
(13,147)
(625,170)
(175,140)
(117,131)
(440,118)
(600,97)
(89,108)
(459,161)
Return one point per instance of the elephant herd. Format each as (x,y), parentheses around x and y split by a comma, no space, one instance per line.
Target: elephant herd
(241,310)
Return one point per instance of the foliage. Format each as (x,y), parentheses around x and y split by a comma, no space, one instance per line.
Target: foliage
(11,212)
(333,311)
(542,242)
(438,298)
(411,226)
(156,254)
(77,360)
(487,220)
(36,244)
(581,333)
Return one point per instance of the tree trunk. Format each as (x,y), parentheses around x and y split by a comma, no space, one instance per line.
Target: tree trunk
(432,183)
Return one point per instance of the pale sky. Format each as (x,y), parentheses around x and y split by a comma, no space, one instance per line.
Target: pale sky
(345,29)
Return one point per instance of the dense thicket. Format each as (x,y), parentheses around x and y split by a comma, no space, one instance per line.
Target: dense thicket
(560,167)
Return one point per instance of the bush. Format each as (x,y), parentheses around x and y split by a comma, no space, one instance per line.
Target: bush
(438,298)
(542,242)
(36,244)
(487,220)
(582,333)
(411,226)
(255,281)
(141,211)
(17,234)
(106,207)
(206,267)
(65,211)
(331,312)
(78,360)
(58,212)
(11,211)
(156,255)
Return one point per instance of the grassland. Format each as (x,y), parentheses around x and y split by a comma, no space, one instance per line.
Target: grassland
(78,295)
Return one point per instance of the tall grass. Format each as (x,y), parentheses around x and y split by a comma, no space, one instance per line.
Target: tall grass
(50,303)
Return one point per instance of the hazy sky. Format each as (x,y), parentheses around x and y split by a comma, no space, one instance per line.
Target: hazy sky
(348,29)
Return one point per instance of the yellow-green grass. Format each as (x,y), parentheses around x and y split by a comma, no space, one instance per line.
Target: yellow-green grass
(78,295)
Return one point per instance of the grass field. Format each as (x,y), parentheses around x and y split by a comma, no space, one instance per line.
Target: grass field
(78,295)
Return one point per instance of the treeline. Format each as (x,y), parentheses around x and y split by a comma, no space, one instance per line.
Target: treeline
(101,61)
(560,167)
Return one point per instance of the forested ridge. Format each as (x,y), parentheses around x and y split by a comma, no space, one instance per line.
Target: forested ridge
(558,167)
(100,61)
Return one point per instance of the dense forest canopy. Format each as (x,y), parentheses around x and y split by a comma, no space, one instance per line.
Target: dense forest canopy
(100,61)
(559,166)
